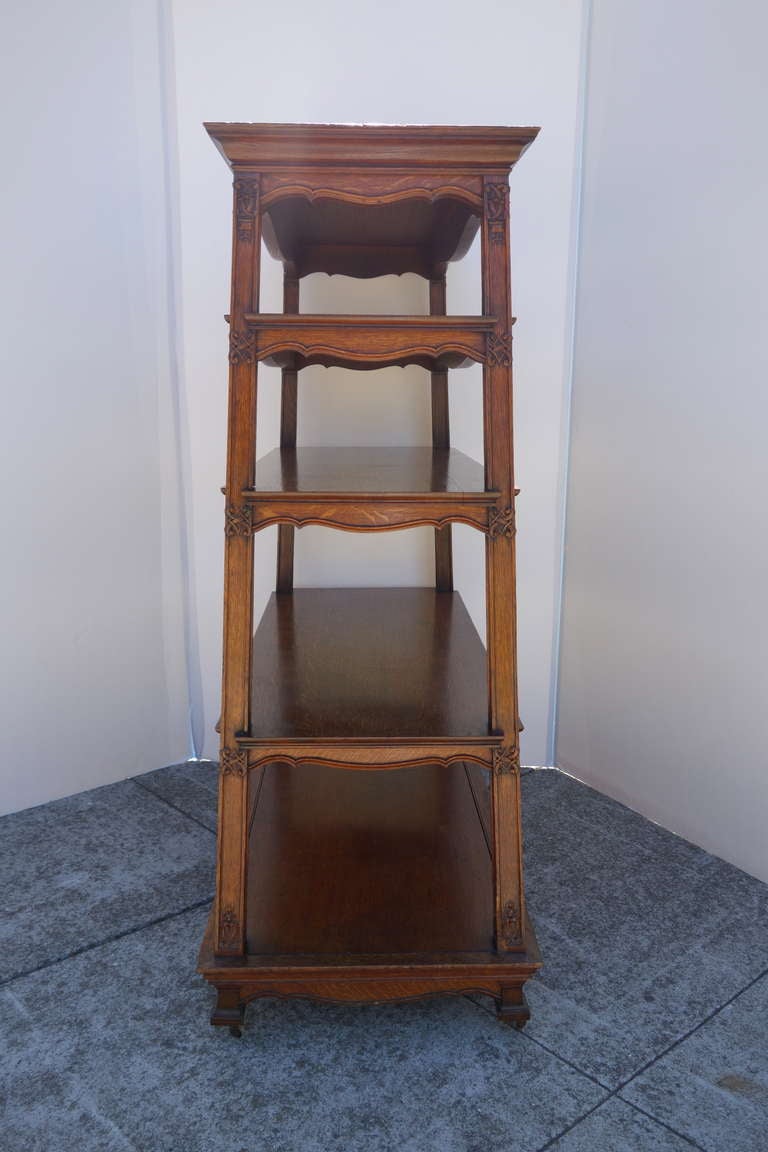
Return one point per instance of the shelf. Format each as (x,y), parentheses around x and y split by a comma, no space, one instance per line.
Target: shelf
(434,342)
(371,837)
(353,147)
(368,664)
(369,886)
(326,234)
(371,472)
(366,489)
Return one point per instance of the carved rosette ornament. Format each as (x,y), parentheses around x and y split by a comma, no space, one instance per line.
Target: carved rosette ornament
(498,349)
(229,928)
(510,924)
(246,208)
(505,760)
(501,523)
(233,762)
(496,210)
(242,347)
(237,520)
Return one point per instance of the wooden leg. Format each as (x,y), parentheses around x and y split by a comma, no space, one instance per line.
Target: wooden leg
(441,438)
(229,1011)
(288,418)
(512,1007)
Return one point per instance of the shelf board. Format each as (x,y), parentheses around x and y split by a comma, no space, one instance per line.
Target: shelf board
(367,665)
(434,342)
(441,473)
(326,234)
(367,863)
(351,146)
(369,489)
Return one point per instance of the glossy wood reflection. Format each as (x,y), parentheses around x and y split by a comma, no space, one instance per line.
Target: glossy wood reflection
(372,837)
(363,663)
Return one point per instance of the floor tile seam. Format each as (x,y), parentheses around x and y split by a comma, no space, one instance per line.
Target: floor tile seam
(575,1123)
(663,1124)
(525,1035)
(106,940)
(164,800)
(691,1031)
(565,1060)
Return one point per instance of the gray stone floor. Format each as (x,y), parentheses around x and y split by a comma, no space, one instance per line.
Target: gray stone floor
(648,1031)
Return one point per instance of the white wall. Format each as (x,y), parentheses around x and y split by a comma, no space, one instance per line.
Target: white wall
(417,63)
(92,683)
(664,678)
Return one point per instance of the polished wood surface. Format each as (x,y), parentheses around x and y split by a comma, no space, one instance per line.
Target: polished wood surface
(370,341)
(289,411)
(441,433)
(362,728)
(366,490)
(358,146)
(368,663)
(372,836)
(376,471)
(378,239)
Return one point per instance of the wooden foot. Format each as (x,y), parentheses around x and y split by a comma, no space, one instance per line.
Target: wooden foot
(229,1010)
(512,1008)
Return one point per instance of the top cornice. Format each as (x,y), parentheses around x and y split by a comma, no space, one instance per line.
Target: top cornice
(265,146)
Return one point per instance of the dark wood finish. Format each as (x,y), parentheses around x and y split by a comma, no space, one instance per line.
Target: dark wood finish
(441,439)
(265,147)
(440,474)
(380,238)
(435,342)
(350,827)
(500,568)
(365,489)
(368,663)
(423,865)
(238,568)
(289,410)
(373,837)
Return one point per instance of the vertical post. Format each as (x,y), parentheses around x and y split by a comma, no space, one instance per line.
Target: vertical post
(288,416)
(500,567)
(441,438)
(238,570)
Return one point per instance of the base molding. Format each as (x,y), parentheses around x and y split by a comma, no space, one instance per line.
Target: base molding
(238,980)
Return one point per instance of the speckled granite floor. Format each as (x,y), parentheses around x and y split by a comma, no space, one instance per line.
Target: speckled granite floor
(648,1029)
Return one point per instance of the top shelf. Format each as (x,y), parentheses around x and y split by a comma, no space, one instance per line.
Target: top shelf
(369,200)
(265,147)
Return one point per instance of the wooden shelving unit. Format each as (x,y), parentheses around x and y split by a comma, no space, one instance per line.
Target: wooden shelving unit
(369,842)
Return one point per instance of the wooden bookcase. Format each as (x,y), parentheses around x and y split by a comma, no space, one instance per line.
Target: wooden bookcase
(369,843)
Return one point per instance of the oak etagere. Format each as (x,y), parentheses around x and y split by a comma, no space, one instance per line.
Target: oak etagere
(369,843)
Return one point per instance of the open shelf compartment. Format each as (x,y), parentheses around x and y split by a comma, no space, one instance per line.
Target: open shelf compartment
(368,664)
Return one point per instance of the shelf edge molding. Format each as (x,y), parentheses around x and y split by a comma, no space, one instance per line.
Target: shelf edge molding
(369,341)
(363,756)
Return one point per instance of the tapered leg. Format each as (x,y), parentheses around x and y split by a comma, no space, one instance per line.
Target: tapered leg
(512,1007)
(500,571)
(238,572)
(441,438)
(288,420)
(229,1011)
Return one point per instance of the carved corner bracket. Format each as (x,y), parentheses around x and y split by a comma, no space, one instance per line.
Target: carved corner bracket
(237,520)
(246,208)
(496,210)
(233,762)
(498,349)
(502,523)
(229,928)
(242,347)
(506,760)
